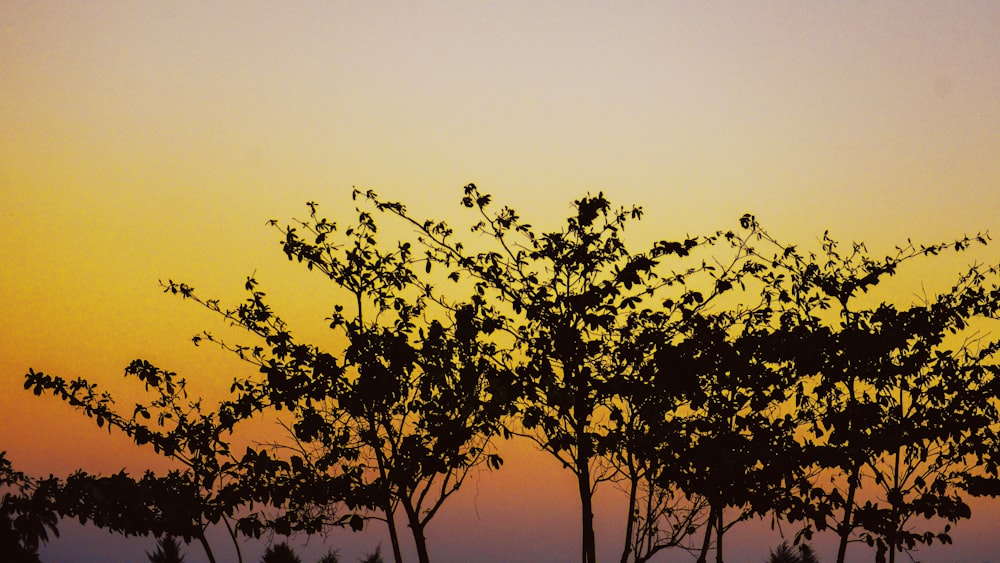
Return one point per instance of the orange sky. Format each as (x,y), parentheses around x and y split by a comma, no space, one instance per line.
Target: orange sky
(145,141)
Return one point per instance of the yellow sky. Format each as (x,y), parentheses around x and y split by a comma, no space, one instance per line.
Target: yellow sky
(145,141)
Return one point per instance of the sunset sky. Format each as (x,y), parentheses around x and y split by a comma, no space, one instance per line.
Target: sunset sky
(146,141)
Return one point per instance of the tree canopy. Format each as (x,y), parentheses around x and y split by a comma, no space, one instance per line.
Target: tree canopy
(712,379)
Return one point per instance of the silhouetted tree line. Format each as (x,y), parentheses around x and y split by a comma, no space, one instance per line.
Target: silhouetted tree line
(713,380)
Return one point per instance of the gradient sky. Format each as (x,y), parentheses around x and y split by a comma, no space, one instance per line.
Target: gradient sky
(142,141)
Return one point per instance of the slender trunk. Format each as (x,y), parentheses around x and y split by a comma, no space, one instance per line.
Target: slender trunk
(584,453)
(703,557)
(893,532)
(630,521)
(891,539)
(421,542)
(718,536)
(236,543)
(845,524)
(645,538)
(204,544)
(896,498)
(390,520)
(383,471)
(417,529)
(587,513)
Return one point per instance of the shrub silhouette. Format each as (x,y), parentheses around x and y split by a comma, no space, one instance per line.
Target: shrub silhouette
(26,513)
(280,553)
(786,554)
(168,550)
(374,557)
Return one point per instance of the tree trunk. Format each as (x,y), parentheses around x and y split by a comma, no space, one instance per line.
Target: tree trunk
(417,529)
(387,508)
(236,543)
(630,521)
(584,452)
(718,536)
(204,544)
(390,520)
(703,557)
(845,525)
(421,542)
(587,513)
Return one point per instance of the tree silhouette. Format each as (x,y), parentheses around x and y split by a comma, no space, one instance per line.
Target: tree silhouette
(182,503)
(737,448)
(400,415)
(783,554)
(667,365)
(755,382)
(280,553)
(897,406)
(563,295)
(786,554)
(807,555)
(374,557)
(168,550)
(27,514)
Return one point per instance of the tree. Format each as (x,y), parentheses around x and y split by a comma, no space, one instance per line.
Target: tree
(783,554)
(786,554)
(396,418)
(667,363)
(644,436)
(399,418)
(738,447)
(280,553)
(26,513)
(807,555)
(168,550)
(562,294)
(181,503)
(374,557)
(567,299)
(710,393)
(898,407)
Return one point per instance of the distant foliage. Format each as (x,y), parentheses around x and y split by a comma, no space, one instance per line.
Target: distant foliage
(280,553)
(783,554)
(787,554)
(374,557)
(27,513)
(806,554)
(168,550)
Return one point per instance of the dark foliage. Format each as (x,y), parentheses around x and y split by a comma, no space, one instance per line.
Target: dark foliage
(280,553)
(374,557)
(168,550)
(783,554)
(561,297)
(27,513)
(758,381)
(787,554)
(893,405)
